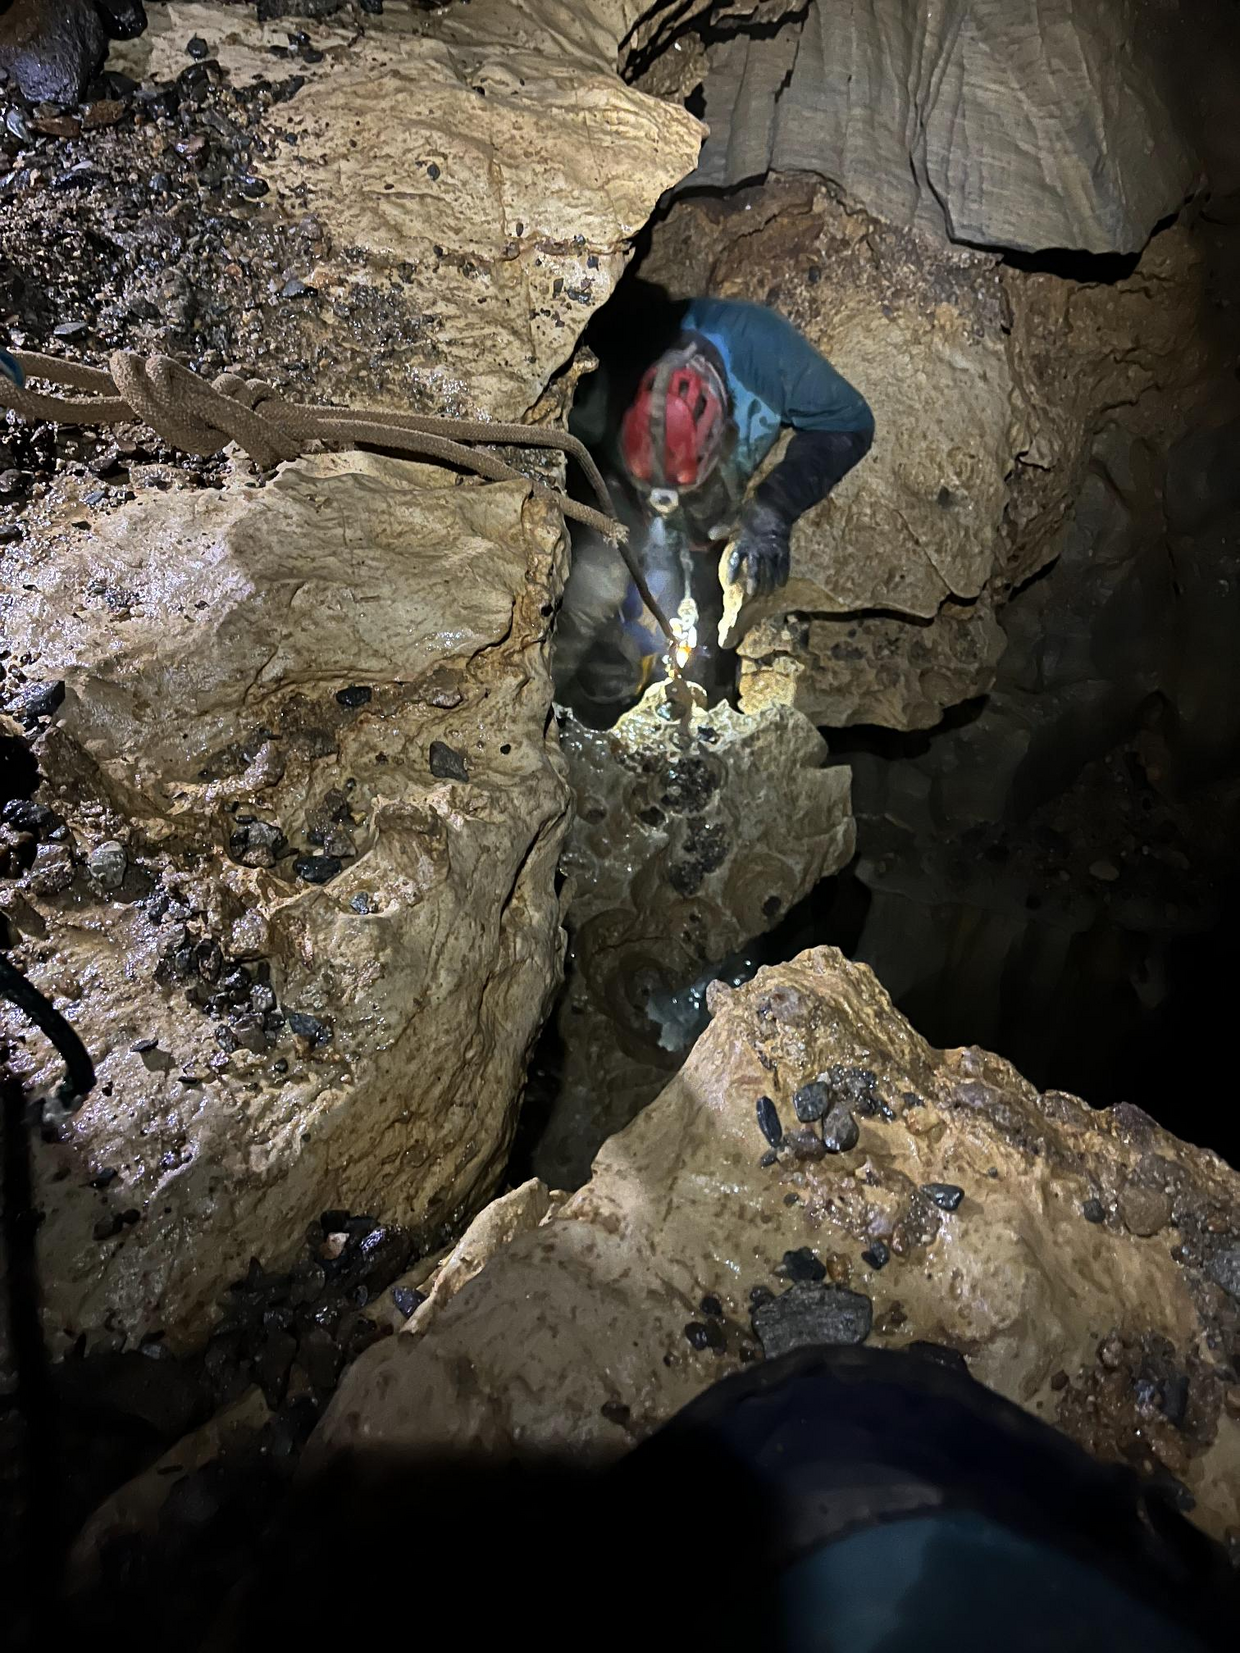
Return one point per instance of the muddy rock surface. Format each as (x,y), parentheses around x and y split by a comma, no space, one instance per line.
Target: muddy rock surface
(1073,1257)
(1052,123)
(689,839)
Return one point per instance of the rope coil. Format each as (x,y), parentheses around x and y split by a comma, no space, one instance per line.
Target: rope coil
(201,417)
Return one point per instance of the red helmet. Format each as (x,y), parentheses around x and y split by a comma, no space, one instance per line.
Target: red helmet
(672,435)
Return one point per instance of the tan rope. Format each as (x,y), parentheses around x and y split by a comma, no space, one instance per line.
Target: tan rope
(200,418)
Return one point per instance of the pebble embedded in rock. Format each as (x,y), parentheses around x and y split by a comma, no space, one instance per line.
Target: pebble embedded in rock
(804,1144)
(810,1314)
(877,1254)
(309,1027)
(839,1131)
(811,1101)
(295,287)
(768,1122)
(357,694)
(106,864)
(615,1411)
(946,1195)
(1145,1211)
(1224,1269)
(711,1307)
(197,47)
(407,1299)
(802,1265)
(940,1353)
(446,763)
(317,869)
(1094,1211)
(256,844)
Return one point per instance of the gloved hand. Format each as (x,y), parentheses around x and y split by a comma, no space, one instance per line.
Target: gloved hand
(761,556)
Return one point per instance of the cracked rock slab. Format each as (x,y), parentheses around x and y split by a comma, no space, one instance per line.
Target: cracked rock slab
(1117,1338)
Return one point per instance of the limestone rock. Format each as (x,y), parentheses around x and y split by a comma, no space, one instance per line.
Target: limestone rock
(689,841)
(1028,125)
(1082,1322)
(317,981)
(899,674)
(477,184)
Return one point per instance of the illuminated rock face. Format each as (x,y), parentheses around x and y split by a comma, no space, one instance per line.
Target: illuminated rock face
(690,839)
(303,907)
(1083,1262)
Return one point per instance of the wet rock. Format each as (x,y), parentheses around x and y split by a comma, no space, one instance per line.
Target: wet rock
(811,1101)
(768,1121)
(811,1314)
(946,1195)
(802,1265)
(106,864)
(1094,1211)
(357,694)
(840,1131)
(256,844)
(590,1299)
(51,48)
(447,764)
(877,1254)
(318,869)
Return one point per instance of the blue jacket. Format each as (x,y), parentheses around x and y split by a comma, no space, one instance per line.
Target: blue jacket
(776,378)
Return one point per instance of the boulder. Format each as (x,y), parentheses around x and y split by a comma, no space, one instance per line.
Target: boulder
(474,189)
(298,892)
(316,981)
(1023,124)
(691,837)
(1081,1261)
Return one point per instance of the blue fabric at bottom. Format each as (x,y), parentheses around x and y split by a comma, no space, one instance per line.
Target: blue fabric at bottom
(960,1583)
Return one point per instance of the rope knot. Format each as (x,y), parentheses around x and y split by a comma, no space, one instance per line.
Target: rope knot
(197,417)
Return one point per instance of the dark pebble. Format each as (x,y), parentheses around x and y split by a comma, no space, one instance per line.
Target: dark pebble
(309,1027)
(446,763)
(139,1045)
(432,172)
(317,869)
(810,1314)
(802,1265)
(406,1299)
(811,1101)
(804,1144)
(710,1305)
(697,1334)
(768,1121)
(939,1353)
(839,1131)
(1094,1211)
(253,188)
(770,1157)
(357,694)
(877,1254)
(197,47)
(945,1195)
(615,1411)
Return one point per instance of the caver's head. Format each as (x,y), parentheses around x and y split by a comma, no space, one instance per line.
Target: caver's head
(675,432)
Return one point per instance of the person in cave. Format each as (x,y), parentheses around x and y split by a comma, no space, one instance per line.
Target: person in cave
(706,412)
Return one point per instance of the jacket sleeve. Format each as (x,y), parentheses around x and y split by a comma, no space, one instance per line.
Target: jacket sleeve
(831,419)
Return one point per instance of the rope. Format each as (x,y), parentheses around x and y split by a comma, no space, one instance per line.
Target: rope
(201,418)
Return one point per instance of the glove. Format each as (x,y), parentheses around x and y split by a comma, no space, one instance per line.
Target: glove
(761,556)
